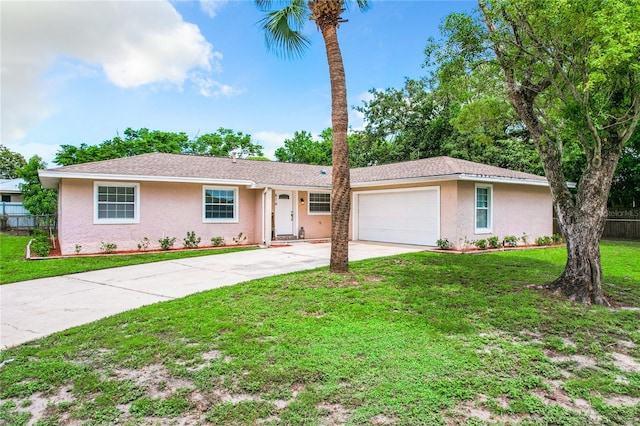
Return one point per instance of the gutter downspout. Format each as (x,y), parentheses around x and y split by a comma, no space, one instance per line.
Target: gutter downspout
(264,201)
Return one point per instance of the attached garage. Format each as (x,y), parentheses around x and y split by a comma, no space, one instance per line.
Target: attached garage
(404,216)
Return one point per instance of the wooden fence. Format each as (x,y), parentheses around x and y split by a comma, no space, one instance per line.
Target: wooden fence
(621,224)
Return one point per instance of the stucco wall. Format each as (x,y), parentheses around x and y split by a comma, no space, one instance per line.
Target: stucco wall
(166,209)
(517,209)
(315,225)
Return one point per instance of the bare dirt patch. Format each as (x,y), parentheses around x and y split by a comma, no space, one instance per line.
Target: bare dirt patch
(625,363)
(332,414)
(381,419)
(622,401)
(156,378)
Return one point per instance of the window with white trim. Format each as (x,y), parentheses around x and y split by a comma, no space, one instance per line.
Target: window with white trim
(483,214)
(220,204)
(319,203)
(116,202)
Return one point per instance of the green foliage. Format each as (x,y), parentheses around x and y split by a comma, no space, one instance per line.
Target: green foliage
(557,239)
(41,244)
(191,241)
(625,189)
(481,244)
(77,249)
(544,240)
(222,143)
(170,407)
(108,247)
(493,242)
(10,162)
(36,199)
(143,245)
(423,120)
(575,61)
(217,241)
(167,242)
(510,241)
(443,244)
(142,141)
(303,149)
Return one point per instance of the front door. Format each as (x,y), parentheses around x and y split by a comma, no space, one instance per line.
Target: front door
(284,213)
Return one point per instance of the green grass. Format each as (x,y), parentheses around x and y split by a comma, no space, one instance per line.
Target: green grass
(14,267)
(417,339)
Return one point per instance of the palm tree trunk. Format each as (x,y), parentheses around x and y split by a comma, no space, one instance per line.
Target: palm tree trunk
(341,194)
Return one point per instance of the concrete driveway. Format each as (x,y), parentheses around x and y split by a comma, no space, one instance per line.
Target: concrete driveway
(37,308)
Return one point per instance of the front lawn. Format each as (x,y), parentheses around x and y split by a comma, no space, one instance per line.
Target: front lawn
(14,267)
(416,339)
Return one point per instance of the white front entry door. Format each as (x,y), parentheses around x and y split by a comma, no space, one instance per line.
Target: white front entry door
(284,213)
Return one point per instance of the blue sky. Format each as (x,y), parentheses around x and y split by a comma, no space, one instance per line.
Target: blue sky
(83,71)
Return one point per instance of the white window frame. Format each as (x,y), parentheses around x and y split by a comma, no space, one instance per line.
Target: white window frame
(489,228)
(309,212)
(115,221)
(236,204)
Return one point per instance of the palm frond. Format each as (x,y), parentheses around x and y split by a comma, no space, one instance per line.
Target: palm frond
(363,5)
(283,27)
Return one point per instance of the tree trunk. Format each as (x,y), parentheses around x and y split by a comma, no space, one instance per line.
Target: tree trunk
(582,222)
(581,280)
(582,216)
(341,193)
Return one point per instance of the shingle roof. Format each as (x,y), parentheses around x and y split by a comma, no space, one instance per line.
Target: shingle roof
(206,168)
(11,185)
(270,173)
(435,167)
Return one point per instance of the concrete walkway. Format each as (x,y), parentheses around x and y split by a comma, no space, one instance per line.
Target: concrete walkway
(37,308)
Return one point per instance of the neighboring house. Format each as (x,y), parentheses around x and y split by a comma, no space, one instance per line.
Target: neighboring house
(11,197)
(13,215)
(155,195)
(10,190)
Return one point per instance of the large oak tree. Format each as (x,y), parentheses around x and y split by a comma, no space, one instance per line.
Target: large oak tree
(572,73)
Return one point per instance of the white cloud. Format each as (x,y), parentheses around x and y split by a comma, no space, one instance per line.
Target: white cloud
(270,141)
(210,88)
(45,151)
(134,43)
(356,118)
(211,7)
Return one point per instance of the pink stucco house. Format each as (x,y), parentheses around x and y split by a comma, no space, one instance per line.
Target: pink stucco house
(156,195)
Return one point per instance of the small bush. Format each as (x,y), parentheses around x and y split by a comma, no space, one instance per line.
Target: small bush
(217,241)
(191,241)
(494,242)
(543,241)
(78,248)
(41,246)
(108,247)
(557,239)
(167,242)
(510,241)
(443,244)
(481,244)
(143,245)
(525,238)
(240,238)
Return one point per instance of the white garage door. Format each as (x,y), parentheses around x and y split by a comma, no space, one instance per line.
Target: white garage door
(406,217)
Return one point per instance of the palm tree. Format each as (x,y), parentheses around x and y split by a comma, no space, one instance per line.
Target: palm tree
(283,31)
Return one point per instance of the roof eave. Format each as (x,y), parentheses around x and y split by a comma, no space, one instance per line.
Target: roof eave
(448,177)
(51,179)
